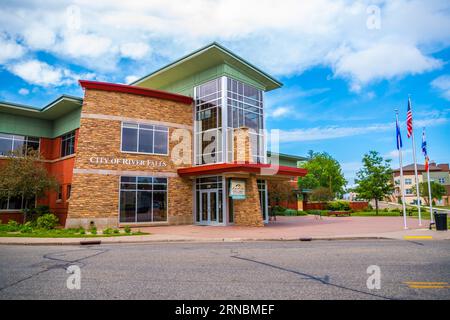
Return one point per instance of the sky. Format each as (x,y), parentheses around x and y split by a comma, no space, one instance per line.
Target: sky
(345,65)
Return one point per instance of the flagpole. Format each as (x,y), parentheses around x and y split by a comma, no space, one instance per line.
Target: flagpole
(429,194)
(402,184)
(430,197)
(415,169)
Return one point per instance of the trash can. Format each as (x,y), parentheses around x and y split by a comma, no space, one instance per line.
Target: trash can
(441,221)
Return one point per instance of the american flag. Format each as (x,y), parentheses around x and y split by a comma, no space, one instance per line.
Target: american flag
(409,125)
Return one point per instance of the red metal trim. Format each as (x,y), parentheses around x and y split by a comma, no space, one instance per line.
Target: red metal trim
(238,167)
(115,87)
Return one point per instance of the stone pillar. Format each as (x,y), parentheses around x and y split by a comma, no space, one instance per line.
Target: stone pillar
(248,212)
(242,145)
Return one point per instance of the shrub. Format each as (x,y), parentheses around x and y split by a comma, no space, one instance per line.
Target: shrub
(290,212)
(82,231)
(301,213)
(47,221)
(12,226)
(34,213)
(116,231)
(93,229)
(26,228)
(315,212)
(127,229)
(338,206)
(107,231)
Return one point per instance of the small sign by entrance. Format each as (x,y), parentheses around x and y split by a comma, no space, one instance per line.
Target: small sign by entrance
(237,189)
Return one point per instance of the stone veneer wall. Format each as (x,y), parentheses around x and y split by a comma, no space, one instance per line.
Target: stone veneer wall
(95,187)
(248,212)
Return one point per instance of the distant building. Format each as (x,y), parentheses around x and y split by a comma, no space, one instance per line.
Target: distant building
(439,173)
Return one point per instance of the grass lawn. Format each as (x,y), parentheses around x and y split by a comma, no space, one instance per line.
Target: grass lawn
(61,233)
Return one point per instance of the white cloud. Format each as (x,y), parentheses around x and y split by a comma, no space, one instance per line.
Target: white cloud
(10,50)
(39,37)
(442,84)
(134,50)
(84,45)
(393,154)
(283,38)
(335,132)
(381,61)
(280,112)
(40,73)
(24,91)
(131,78)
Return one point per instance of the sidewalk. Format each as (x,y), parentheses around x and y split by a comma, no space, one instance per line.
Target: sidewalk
(284,229)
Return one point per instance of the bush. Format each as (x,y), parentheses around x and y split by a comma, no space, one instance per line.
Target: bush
(47,221)
(93,230)
(26,228)
(34,213)
(11,226)
(116,231)
(127,229)
(107,231)
(316,212)
(290,212)
(338,206)
(301,213)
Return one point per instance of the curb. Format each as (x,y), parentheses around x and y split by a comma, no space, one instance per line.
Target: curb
(211,240)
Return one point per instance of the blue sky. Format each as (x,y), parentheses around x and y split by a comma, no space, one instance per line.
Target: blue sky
(345,65)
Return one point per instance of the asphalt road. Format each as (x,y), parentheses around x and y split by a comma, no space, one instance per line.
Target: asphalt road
(252,270)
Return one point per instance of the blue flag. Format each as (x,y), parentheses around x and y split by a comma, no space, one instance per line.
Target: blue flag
(399,137)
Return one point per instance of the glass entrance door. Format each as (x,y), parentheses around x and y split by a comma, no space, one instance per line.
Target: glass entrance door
(209,207)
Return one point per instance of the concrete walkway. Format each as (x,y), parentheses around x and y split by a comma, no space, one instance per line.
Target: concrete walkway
(285,228)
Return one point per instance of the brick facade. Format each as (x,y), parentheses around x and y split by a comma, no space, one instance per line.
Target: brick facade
(248,212)
(95,185)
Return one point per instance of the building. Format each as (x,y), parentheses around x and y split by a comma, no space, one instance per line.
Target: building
(439,173)
(184,144)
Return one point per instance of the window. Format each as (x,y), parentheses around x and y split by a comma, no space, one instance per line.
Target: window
(24,144)
(68,144)
(60,195)
(408,181)
(143,199)
(68,191)
(208,124)
(409,191)
(144,138)
(441,180)
(245,109)
(15,203)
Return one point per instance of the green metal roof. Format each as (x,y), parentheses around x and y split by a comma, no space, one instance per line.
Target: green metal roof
(287,156)
(54,110)
(202,59)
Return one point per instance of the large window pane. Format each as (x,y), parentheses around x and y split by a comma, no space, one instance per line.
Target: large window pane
(128,206)
(159,206)
(146,141)
(129,139)
(160,142)
(144,209)
(5,146)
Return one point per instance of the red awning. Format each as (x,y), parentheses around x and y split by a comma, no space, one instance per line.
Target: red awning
(256,168)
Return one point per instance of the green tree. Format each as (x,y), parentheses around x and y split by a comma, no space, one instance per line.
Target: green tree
(437,191)
(25,176)
(308,182)
(374,179)
(327,172)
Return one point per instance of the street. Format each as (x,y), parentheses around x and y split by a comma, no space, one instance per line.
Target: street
(247,270)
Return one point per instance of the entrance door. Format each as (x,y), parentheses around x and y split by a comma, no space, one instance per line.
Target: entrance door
(209,207)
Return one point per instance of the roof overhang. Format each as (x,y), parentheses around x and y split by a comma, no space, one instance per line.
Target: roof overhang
(240,168)
(203,59)
(54,110)
(115,87)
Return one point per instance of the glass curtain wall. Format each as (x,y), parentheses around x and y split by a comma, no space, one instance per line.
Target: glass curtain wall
(245,109)
(208,124)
